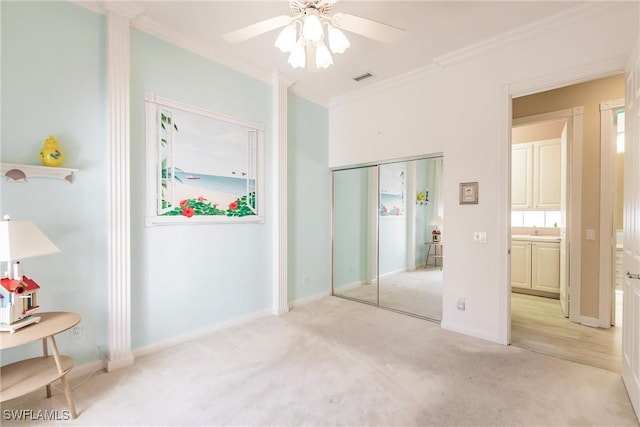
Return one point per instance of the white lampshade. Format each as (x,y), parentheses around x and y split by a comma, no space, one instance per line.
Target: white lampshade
(436,220)
(323,56)
(297,56)
(338,42)
(312,28)
(286,41)
(22,239)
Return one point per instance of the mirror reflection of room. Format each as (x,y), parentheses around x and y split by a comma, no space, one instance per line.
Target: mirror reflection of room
(389,236)
(355,196)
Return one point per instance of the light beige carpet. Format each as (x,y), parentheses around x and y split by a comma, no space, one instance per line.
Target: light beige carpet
(338,362)
(416,292)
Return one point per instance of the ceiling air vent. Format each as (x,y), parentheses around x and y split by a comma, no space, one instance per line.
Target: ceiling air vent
(362,77)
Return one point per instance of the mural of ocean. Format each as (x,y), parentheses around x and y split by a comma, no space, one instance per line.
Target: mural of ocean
(226,184)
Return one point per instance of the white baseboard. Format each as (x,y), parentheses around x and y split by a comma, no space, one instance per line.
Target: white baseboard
(353,285)
(388,273)
(152,348)
(476,333)
(590,321)
(87,369)
(309,299)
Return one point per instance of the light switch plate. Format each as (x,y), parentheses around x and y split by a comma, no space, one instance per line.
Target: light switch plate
(480,236)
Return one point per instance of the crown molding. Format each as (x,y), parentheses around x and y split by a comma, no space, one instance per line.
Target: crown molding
(571,76)
(193,45)
(92,5)
(545,24)
(125,9)
(386,84)
(449,59)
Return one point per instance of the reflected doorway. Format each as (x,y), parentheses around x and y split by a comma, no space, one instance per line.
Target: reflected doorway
(388,236)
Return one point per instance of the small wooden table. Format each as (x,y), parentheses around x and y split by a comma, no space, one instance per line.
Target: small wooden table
(23,377)
(435,256)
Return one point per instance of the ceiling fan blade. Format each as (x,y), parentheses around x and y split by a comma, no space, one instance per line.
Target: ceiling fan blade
(256,29)
(374,30)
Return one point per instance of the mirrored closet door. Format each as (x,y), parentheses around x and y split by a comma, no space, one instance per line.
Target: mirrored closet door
(388,236)
(355,198)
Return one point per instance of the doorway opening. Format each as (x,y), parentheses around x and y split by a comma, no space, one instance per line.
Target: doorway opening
(612,134)
(542,318)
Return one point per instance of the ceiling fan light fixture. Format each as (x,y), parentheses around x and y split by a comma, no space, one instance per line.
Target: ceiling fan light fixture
(286,40)
(338,42)
(323,56)
(312,28)
(297,56)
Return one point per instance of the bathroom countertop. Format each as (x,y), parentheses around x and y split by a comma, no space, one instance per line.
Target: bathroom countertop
(535,237)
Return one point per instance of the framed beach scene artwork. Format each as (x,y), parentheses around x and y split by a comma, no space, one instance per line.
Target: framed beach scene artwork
(202,166)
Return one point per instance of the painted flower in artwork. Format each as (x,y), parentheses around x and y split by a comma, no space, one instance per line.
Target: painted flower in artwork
(198,206)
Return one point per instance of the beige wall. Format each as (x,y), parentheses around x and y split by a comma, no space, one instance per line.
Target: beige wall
(589,95)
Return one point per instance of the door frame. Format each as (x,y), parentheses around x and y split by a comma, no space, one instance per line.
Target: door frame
(573,117)
(608,200)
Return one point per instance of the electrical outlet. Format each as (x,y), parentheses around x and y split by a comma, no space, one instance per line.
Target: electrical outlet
(591,234)
(76,332)
(461,304)
(306,281)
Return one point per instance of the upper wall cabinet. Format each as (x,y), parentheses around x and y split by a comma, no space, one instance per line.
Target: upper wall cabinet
(521,185)
(535,175)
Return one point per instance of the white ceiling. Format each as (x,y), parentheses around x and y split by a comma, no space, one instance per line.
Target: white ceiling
(432,29)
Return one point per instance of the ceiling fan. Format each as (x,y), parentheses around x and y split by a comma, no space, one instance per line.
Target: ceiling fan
(303,34)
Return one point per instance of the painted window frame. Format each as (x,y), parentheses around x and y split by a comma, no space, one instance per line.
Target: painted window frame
(157,108)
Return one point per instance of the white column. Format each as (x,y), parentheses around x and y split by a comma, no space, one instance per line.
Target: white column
(119,253)
(280,300)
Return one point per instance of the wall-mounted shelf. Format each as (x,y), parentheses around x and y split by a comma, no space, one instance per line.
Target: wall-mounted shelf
(21,173)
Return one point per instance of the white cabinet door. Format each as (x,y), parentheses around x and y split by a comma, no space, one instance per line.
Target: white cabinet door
(546,174)
(521,264)
(521,182)
(545,266)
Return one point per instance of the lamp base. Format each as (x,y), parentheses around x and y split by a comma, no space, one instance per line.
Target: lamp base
(19,324)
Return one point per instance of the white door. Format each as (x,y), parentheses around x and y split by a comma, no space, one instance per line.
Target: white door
(631,262)
(564,241)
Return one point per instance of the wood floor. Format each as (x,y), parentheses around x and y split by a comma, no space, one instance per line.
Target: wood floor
(537,324)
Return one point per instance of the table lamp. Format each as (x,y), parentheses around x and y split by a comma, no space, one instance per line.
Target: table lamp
(435,234)
(19,240)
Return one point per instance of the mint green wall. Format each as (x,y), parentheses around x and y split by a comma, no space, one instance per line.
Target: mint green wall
(53,82)
(189,277)
(351,226)
(308,196)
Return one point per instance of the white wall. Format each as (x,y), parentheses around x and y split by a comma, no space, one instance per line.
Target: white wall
(460,107)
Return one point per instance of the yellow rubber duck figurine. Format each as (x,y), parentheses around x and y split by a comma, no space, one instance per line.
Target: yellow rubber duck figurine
(51,154)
